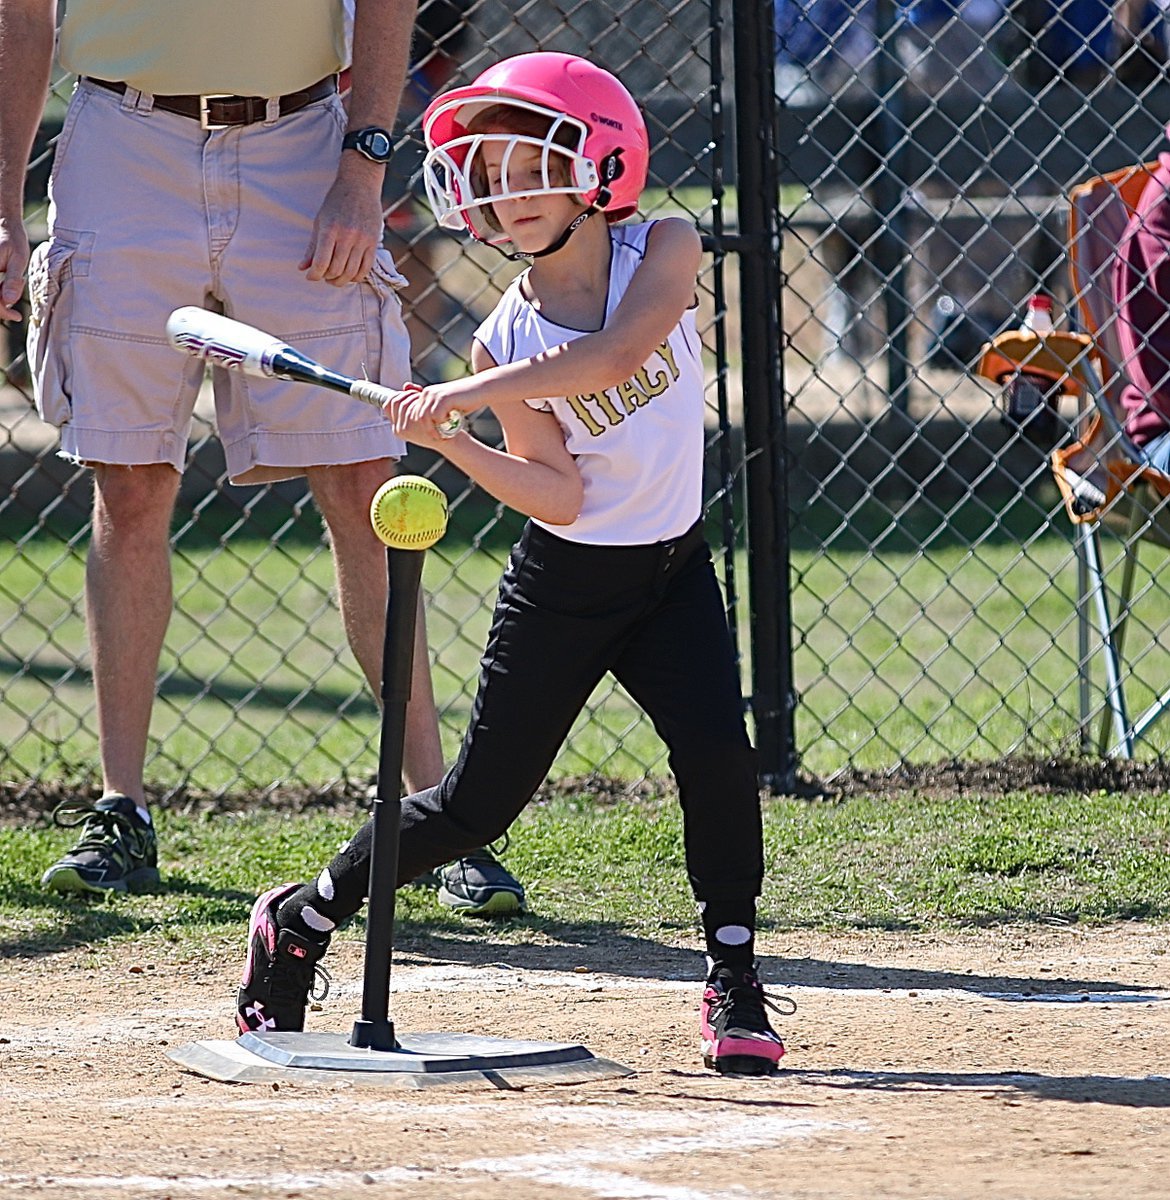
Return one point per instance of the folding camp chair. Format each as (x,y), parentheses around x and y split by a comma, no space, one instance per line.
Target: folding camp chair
(1103,477)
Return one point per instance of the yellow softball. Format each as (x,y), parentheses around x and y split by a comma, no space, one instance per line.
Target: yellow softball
(409,512)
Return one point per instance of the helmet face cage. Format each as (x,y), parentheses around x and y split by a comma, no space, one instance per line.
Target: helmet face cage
(455,174)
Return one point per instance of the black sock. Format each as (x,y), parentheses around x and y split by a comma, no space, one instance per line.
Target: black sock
(729,927)
(316,909)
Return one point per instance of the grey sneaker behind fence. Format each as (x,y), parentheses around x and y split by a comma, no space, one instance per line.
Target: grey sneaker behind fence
(116,851)
(478,885)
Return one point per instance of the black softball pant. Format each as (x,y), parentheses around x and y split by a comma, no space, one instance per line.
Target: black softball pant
(566,614)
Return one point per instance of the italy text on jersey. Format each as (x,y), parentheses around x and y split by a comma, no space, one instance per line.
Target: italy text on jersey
(598,411)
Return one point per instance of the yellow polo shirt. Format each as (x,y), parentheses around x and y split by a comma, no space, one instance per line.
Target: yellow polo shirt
(180,47)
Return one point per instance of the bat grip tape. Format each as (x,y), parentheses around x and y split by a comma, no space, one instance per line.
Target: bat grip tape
(371,393)
(375,393)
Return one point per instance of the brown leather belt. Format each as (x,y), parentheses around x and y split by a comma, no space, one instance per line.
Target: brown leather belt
(218,111)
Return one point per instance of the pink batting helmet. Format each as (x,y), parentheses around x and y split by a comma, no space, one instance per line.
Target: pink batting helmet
(594,123)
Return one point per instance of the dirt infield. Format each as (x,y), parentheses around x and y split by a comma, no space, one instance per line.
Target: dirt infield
(1013,1062)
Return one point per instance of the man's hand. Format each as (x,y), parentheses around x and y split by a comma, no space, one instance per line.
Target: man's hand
(348,229)
(14,255)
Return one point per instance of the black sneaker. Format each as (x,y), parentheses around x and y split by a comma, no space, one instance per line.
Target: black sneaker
(281,971)
(116,852)
(479,886)
(737,1038)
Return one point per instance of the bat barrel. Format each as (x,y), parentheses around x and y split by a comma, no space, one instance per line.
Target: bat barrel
(219,340)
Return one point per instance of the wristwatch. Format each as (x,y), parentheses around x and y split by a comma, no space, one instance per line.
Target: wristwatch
(373,142)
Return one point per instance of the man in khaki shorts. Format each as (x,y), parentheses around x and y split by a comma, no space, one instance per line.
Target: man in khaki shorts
(206,159)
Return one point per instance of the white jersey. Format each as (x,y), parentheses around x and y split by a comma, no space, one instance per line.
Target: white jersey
(639,444)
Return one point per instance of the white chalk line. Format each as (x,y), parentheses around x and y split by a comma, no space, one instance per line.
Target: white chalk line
(159,1021)
(137,1184)
(504,977)
(596,1169)
(1080,997)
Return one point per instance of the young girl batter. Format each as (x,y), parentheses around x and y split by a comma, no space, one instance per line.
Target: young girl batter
(591,363)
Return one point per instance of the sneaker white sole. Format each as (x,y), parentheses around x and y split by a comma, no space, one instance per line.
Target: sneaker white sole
(499,904)
(68,881)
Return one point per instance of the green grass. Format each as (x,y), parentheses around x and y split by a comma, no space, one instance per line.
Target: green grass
(919,634)
(922,648)
(935,655)
(912,862)
(917,861)
(925,635)
(257,683)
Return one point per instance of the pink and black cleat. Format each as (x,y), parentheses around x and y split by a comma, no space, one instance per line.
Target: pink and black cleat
(281,971)
(737,1036)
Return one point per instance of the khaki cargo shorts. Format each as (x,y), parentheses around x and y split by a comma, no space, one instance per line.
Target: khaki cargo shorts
(150,212)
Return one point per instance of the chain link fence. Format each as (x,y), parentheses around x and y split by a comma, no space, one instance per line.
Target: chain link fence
(927,151)
(257,687)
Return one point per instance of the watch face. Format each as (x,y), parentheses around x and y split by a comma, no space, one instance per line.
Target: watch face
(372,142)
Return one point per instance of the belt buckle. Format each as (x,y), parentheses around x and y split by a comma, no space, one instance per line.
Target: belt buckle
(205,121)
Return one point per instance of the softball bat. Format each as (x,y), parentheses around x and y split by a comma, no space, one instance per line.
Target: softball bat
(222,342)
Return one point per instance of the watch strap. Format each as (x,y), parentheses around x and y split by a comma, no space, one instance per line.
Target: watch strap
(376,144)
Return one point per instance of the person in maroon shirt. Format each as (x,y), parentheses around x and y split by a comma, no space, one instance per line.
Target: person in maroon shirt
(1141,290)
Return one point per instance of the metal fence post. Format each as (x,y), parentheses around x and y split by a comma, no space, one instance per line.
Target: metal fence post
(889,187)
(765,431)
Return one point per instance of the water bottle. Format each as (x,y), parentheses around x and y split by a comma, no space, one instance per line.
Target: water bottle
(1032,397)
(1038,316)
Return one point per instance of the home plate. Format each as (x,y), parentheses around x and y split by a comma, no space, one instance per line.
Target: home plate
(421,1060)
